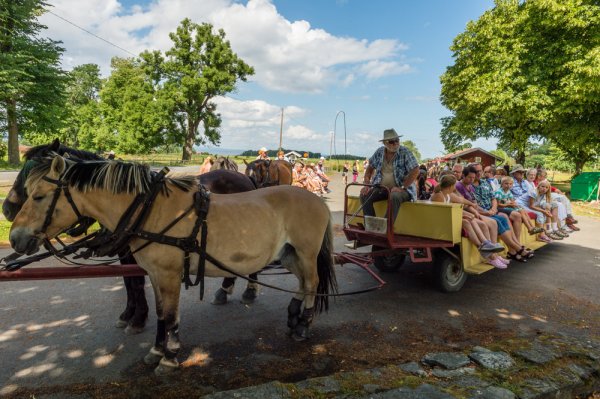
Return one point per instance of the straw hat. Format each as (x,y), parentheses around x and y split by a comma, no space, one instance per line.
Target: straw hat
(517,168)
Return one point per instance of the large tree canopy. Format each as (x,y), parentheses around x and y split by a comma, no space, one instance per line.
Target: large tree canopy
(199,67)
(527,70)
(31,80)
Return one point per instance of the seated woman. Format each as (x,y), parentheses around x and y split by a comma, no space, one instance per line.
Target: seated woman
(313,182)
(444,192)
(507,205)
(541,202)
(298,178)
(559,197)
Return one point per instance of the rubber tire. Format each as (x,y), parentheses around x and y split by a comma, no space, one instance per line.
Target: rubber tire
(449,273)
(389,263)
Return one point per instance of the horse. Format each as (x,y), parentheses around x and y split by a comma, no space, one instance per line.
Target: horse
(266,173)
(300,236)
(224,163)
(133,318)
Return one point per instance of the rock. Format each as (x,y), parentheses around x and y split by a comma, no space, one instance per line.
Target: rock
(413,368)
(448,360)
(441,373)
(424,391)
(492,393)
(534,388)
(582,372)
(493,360)
(371,388)
(321,384)
(537,355)
(271,390)
(481,349)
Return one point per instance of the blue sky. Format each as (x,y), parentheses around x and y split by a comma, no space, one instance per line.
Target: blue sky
(378,61)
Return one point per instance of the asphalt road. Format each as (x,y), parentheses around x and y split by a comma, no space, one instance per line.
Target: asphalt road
(57,336)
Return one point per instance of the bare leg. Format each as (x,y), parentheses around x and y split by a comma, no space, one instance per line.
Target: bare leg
(472,235)
(517,219)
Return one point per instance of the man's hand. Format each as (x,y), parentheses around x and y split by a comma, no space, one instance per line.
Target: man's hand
(365,190)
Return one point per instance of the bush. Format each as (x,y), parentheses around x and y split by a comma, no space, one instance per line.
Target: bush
(3,149)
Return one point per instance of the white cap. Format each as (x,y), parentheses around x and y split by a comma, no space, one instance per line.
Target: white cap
(322,158)
(263,149)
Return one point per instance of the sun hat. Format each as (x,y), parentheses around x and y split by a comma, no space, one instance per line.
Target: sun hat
(322,158)
(389,134)
(517,168)
(262,149)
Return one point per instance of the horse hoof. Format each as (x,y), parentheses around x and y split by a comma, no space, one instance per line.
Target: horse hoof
(133,330)
(166,367)
(153,357)
(220,297)
(249,296)
(121,323)
(300,334)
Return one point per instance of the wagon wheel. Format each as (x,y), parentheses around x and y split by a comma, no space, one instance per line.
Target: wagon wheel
(388,263)
(450,275)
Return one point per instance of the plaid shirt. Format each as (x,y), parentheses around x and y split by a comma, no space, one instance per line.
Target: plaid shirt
(404,162)
(484,194)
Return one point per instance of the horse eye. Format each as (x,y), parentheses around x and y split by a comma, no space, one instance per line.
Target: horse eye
(39,197)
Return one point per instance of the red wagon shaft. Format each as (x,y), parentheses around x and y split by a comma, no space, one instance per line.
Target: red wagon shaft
(60,272)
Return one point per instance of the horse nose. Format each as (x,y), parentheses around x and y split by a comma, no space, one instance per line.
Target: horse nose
(23,242)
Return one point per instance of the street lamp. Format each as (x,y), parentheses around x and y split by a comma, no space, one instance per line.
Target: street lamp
(334,131)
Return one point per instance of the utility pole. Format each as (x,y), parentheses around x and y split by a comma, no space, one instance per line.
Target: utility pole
(281,131)
(334,130)
(330,144)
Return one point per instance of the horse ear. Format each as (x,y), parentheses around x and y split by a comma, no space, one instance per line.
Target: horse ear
(245,163)
(58,165)
(55,146)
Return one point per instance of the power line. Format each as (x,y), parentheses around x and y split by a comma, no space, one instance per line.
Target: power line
(93,34)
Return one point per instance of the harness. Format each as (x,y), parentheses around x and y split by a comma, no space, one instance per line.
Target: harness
(109,243)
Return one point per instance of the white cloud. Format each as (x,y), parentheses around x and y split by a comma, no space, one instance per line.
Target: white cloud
(298,132)
(288,56)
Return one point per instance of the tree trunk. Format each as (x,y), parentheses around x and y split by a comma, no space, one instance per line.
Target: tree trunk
(579,164)
(188,146)
(520,158)
(13,132)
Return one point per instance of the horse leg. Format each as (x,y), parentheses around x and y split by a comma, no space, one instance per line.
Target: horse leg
(138,321)
(169,287)
(249,294)
(225,289)
(127,314)
(157,352)
(309,282)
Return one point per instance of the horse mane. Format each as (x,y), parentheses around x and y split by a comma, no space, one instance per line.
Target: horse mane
(116,177)
(44,150)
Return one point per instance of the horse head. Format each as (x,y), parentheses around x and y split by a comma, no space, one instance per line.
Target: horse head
(45,212)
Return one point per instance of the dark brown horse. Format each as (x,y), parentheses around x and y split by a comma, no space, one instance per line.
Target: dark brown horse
(266,173)
(134,317)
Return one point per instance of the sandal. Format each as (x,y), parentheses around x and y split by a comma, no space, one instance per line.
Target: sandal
(536,230)
(528,252)
(553,235)
(516,256)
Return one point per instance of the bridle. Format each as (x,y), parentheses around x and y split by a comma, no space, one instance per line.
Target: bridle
(61,186)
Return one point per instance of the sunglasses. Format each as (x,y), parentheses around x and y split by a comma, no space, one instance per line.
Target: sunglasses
(395,141)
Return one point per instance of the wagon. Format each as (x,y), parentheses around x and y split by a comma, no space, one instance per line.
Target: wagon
(427,232)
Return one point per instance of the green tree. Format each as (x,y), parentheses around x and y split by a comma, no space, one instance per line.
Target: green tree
(527,70)
(413,148)
(83,87)
(197,68)
(136,116)
(31,80)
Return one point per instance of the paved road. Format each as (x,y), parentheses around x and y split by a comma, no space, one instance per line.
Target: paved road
(60,334)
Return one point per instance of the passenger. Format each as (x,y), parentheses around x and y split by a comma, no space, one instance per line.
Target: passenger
(523,191)
(457,171)
(320,171)
(444,192)
(394,167)
(262,154)
(281,156)
(487,208)
(507,205)
(489,173)
(561,198)
(541,202)
(298,178)
(500,173)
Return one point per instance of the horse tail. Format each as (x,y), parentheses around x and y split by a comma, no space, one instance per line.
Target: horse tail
(325,270)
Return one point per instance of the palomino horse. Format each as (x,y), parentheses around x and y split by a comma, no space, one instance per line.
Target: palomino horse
(300,236)
(134,317)
(266,173)
(224,163)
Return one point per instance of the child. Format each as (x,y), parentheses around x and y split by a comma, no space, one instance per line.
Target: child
(345,172)
(541,201)
(444,192)
(507,205)
(355,171)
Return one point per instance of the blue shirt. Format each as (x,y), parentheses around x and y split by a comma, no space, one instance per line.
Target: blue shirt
(404,162)
(522,191)
(484,194)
